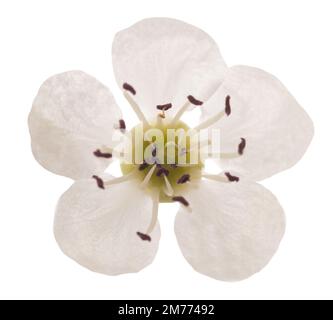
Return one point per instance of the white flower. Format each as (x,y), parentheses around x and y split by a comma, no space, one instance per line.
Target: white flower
(164,66)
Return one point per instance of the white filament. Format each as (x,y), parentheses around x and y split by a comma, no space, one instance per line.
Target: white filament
(180,112)
(120,179)
(230,155)
(209,122)
(154,215)
(148,176)
(136,108)
(216,177)
(168,188)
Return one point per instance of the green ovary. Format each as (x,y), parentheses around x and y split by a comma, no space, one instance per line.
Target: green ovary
(174,162)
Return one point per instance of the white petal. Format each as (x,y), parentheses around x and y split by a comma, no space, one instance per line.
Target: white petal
(233,230)
(277,130)
(97,228)
(72,115)
(166,60)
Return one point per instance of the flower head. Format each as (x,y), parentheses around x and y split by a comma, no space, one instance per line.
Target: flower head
(228,226)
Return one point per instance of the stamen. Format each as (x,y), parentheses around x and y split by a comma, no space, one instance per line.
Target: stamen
(163,108)
(136,108)
(143,236)
(153,221)
(183,179)
(194,100)
(209,122)
(227,106)
(231,178)
(241,146)
(162,171)
(129,88)
(148,176)
(122,125)
(99,181)
(98,153)
(233,155)
(182,200)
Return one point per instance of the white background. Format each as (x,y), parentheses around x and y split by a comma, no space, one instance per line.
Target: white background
(291,39)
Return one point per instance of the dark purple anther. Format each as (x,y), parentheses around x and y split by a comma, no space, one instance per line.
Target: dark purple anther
(241,146)
(182,200)
(129,88)
(227,106)
(194,101)
(231,178)
(162,171)
(99,182)
(143,166)
(98,153)
(143,236)
(122,124)
(164,107)
(183,179)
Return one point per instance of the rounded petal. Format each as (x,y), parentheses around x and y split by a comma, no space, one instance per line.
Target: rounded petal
(97,227)
(233,230)
(72,115)
(277,130)
(166,60)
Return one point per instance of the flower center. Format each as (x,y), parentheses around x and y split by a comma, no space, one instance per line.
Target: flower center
(166,165)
